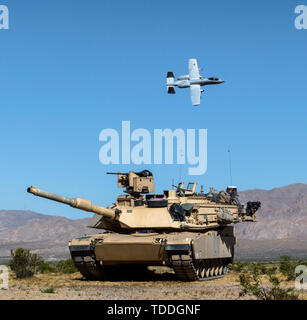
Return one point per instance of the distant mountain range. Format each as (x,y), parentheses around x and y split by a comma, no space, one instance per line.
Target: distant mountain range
(44,234)
(283,214)
(281,229)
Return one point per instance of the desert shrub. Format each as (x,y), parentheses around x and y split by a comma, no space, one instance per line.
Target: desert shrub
(238,266)
(271,270)
(47,268)
(24,263)
(66,266)
(262,268)
(251,284)
(48,290)
(254,267)
(287,267)
(259,268)
(63,266)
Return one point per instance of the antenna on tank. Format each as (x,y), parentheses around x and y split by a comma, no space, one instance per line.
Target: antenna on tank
(229,157)
(180,167)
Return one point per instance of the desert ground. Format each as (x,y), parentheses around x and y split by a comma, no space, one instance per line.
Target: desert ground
(161,284)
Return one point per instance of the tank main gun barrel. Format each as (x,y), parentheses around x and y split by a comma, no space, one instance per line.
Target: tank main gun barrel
(78,203)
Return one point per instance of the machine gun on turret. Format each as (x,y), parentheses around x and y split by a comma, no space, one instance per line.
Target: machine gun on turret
(135,183)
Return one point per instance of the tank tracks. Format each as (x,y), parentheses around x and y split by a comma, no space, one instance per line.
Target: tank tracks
(86,263)
(90,271)
(186,269)
(199,270)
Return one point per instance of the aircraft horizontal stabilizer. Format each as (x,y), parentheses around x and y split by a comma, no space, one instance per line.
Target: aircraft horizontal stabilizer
(171,90)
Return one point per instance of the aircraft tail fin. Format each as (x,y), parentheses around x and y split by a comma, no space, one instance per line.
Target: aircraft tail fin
(169,82)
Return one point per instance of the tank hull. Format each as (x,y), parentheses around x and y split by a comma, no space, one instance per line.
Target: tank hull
(192,255)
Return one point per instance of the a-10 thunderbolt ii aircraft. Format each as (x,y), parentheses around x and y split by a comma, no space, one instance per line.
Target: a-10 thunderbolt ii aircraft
(193,80)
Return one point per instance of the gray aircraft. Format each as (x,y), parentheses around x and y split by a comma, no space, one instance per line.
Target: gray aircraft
(193,80)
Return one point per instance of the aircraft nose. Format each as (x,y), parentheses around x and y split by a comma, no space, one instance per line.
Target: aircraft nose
(216,80)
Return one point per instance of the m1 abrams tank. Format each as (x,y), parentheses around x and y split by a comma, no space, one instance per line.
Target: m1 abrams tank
(191,232)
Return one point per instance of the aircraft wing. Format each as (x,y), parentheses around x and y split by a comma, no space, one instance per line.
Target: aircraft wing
(195,94)
(193,69)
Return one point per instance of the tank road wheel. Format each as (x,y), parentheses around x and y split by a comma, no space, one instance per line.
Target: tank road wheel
(98,272)
(85,273)
(217,267)
(213,271)
(212,268)
(201,270)
(208,270)
(225,267)
(205,270)
(220,267)
(187,269)
(225,270)
(90,271)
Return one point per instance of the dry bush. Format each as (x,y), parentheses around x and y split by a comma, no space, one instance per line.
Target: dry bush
(24,263)
(252,285)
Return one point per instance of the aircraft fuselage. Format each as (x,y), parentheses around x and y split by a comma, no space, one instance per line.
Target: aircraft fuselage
(202,82)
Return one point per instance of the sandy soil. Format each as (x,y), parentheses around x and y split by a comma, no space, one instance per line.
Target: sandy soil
(160,286)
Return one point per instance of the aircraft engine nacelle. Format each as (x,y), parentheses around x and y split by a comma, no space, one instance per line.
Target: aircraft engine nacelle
(183,84)
(184,77)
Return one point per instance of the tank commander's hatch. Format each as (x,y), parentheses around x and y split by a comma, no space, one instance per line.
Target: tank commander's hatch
(179,187)
(190,190)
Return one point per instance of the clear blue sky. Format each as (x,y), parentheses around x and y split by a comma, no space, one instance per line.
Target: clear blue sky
(72,68)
